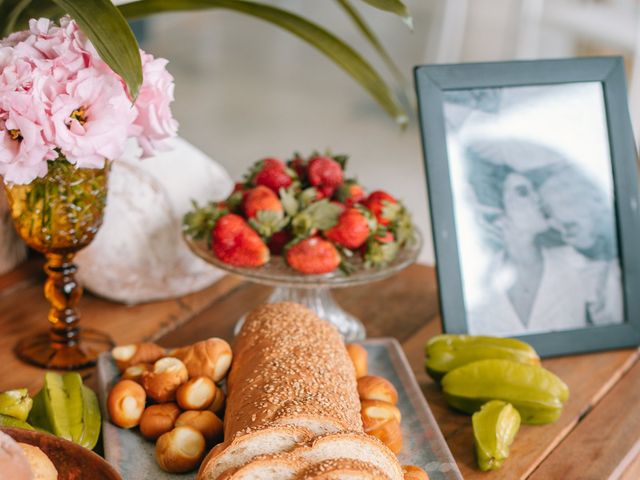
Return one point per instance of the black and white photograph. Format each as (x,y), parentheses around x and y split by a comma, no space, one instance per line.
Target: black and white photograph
(533,200)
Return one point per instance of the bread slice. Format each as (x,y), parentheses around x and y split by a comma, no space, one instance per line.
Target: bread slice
(267,467)
(342,469)
(318,425)
(353,446)
(288,466)
(245,447)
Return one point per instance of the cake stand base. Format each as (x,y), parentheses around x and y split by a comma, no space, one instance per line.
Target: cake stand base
(320,301)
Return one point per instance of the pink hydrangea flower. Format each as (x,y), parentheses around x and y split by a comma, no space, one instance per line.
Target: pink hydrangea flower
(23,149)
(58,98)
(154,119)
(91,119)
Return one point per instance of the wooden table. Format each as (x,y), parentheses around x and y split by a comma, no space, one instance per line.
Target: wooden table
(597,437)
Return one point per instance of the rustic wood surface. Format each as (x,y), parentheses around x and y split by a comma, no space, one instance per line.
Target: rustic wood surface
(597,437)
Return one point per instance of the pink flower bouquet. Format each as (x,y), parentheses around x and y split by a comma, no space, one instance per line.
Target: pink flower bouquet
(58,99)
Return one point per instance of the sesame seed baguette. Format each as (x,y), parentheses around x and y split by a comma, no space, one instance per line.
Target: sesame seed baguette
(291,367)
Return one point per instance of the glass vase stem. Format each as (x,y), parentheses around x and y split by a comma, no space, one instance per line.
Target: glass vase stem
(63,293)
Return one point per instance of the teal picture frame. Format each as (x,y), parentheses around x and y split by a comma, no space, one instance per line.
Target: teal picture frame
(431,82)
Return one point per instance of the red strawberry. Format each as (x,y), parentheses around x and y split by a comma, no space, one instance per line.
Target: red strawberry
(325,173)
(259,199)
(272,162)
(352,229)
(298,165)
(350,193)
(278,241)
(272,174)
(234,242)
(313,255)
(264,211)
(386,237)
(383,206)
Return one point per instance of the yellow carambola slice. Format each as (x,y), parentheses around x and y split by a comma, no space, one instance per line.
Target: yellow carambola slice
(16,403)
(494,428)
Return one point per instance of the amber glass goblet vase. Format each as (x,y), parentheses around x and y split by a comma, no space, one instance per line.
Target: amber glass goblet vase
(59,215)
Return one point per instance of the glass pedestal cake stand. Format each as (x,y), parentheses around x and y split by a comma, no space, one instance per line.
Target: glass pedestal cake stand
(314,291)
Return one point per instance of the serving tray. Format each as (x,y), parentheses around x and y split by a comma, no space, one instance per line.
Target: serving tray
(134,457)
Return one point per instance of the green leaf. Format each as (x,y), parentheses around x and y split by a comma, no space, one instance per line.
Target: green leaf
(11,17)
(109,32)
(289,201)
(393,6)
(368,33)
(320,215)
(268,222)
(334,48)
(37,9)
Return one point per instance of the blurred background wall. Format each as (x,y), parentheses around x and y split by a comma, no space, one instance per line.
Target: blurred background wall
(245,90)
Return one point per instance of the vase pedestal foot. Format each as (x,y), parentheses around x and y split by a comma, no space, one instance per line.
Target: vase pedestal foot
(39,350)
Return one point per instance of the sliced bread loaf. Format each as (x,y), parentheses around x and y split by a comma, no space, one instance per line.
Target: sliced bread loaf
(245,447)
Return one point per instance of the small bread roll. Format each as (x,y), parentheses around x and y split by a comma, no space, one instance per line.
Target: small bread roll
(411,472)
(358,356)
(158,420)
(134,372)
(163,381)
(13,459)
(41,466)
(127,355)
(388,433)
(209,358)
(196,394)
(126,403)
(375,412)
(180,450)
(218,402)
(206,422)
(377,388)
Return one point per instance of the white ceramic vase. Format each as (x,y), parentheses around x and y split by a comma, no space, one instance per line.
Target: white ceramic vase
(139,255)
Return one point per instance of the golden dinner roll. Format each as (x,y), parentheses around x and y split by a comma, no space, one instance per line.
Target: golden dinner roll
(206,422)
(134,372)
(125,403)
(161,384)
(208,358)
(41,466)
(358,356)
(377,411)
(388,433)
(377,388)
(127,355)
(196,394)
(218,402)
(411,472)
(180,450)
(158,419)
